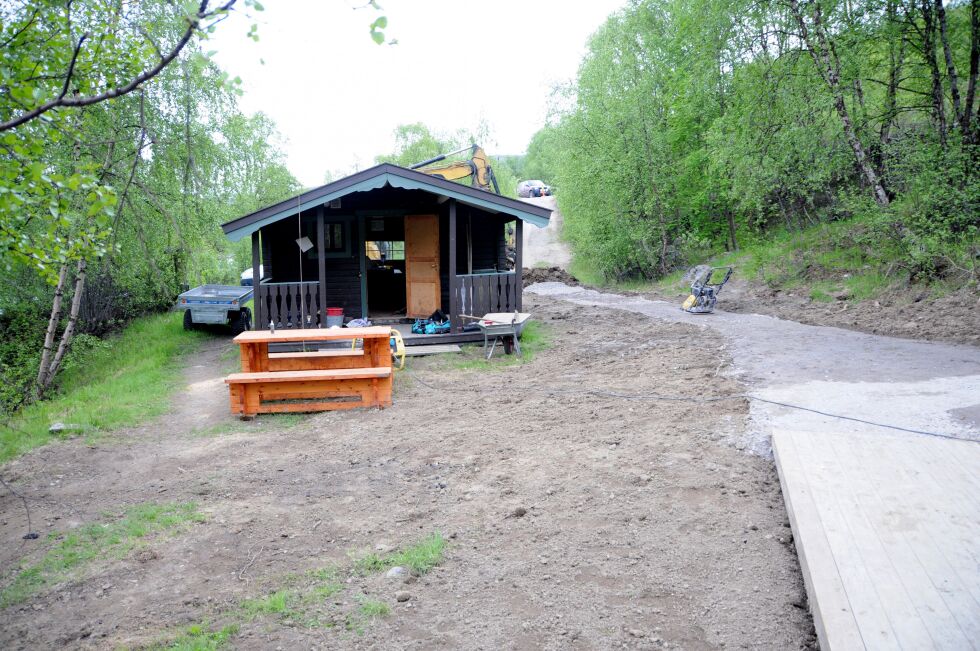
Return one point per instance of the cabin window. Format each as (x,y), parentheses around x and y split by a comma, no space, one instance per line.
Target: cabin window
(380,250)
(333,237)
(336,243)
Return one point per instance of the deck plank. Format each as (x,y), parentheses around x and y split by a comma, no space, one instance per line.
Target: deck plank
(887,527)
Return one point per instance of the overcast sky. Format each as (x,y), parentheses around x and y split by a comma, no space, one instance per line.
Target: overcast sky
(337,97)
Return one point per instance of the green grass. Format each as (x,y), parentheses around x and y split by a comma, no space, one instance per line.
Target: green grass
(368,610)
(200,637)
(277,603)
(123,384)
(75,549)
(820,296)
(584,272)
(325,585)
(308,599)
(371,608)
(535,339)
(230,359)
(420,557)
(868,285)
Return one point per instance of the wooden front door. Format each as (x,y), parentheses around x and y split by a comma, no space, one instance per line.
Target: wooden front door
(422,288)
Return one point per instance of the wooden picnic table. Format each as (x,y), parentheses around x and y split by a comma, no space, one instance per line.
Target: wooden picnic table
(255,355)
(314,380)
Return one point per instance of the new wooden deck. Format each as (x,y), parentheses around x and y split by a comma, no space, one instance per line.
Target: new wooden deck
(887,528)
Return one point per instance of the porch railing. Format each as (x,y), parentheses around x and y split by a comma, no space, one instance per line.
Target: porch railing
(289,305)
(479,294)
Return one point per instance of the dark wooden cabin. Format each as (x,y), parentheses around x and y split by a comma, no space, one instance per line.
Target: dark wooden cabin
(386,244)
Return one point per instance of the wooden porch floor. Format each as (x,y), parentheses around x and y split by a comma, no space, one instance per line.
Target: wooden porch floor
(887,528)
(410,340)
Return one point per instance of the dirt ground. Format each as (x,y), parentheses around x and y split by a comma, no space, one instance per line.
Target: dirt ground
(911,314)
(642,526)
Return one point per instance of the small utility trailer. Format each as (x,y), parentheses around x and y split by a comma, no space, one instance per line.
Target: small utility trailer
(217,305)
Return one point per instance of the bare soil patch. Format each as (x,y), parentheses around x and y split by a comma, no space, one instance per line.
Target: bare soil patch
(908,313)
(548,274)
(573,520)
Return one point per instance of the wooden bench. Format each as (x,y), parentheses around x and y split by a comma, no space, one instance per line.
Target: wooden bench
(309,390)
(317,360)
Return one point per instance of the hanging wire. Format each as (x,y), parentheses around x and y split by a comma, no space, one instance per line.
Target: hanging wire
(299,245)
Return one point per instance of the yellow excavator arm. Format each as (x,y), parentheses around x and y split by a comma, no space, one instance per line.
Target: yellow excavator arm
(478,166)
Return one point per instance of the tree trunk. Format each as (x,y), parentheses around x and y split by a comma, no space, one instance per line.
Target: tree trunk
(42,380)
(929,53)
(731,227)
(828,66)
(968,126)
(954,90)
(50,365)
(896,59)
(76,302)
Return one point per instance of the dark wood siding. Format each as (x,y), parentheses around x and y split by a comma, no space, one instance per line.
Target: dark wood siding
(282,255)
(488,237)
(343,287)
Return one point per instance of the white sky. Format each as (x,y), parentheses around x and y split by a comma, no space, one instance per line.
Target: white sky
(336,96)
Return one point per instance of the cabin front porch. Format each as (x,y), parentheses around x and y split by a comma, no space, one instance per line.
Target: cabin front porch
(356,280)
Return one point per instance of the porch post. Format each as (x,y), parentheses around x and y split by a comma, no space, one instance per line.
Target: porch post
(322,267)
(519,261)
(453,301)
(256,284)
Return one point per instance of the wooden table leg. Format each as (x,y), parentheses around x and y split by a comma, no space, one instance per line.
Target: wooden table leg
(262,357)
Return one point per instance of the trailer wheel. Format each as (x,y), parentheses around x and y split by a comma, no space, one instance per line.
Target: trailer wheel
(189,321)
(242,323)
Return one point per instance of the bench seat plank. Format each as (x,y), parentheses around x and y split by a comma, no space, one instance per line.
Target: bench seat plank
(343,352)
(311,375)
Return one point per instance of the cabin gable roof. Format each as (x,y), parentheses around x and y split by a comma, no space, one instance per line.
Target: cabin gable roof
(377,177)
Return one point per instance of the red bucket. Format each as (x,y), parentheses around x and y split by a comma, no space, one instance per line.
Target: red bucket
(335,316)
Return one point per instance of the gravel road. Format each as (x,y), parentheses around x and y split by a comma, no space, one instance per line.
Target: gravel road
(912,384)
(542,246)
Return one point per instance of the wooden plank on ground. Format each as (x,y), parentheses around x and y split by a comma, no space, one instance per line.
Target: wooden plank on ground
(417,351)
(887,527)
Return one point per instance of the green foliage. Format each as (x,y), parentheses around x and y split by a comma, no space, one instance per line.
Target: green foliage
(851,259)
(136,184)
(76,548)
(56,204)
(123,381)
(693,126)
(542,157)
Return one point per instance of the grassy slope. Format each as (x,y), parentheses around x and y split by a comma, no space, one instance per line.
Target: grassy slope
(125,382)
(823,262)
